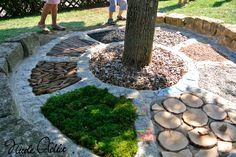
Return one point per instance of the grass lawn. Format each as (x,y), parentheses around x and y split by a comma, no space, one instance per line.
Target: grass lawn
(93,18)
(95,119)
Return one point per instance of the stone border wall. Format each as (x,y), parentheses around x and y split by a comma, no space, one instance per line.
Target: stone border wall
(225,34)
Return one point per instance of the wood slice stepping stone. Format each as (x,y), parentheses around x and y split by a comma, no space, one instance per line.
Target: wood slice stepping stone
(195,117)
(191,100)
(48,77)
(215,112)
(167,120)
(174,105)
(183,153)
(223,146)
(224,131)
(232,116)
(207,153)
(202,137)
(172,140)
(72,47)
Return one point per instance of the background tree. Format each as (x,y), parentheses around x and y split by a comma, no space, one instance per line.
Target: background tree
(140,27)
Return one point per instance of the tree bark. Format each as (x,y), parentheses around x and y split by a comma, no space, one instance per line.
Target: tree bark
(140,26)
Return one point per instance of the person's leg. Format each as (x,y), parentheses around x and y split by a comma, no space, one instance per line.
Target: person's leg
(123,6)
(55,26)
(112,9)
(46,9)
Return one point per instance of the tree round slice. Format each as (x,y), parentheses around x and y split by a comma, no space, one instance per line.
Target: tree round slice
(224,131)
(167,120)
(232,116)
(215,112)
(195,117)
(207,153)
(202,137)
(191,100)
(174,105)
(172,140)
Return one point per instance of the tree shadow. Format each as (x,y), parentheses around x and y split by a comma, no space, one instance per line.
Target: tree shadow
(169,8)
(218,4)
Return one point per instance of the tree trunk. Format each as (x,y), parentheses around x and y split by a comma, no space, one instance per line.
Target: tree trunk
(140,26)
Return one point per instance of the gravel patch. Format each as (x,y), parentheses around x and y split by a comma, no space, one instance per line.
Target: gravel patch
(219,79)
(202,52)
(164,70)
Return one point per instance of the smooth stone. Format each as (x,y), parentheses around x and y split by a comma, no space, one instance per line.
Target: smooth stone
(167,120)
(172,140)
(157,107)
(215,112)
(191,100)
(174,105)
(224,131)
(232,116)
(223,146)
(202,137)
(195,117)
(207,153)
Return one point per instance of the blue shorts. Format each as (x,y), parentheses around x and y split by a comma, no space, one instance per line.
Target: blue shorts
(122,4)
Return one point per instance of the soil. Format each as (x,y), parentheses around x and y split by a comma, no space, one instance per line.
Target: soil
(164,70)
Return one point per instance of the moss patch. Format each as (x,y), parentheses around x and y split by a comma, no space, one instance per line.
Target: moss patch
(95,119)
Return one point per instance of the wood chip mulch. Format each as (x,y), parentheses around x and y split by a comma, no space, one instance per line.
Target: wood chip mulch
(72,47)
(164,70)
(202,52)
(48,77)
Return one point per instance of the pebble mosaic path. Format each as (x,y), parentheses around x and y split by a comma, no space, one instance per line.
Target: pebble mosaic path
(180,121)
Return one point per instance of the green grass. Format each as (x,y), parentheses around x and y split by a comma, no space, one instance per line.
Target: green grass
(93,18)
(95,119)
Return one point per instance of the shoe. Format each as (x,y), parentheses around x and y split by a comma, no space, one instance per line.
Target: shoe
(121,18)
(58,28)
(44,28)
(110,22)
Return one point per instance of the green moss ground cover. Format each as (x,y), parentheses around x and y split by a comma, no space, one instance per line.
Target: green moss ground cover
(95,119)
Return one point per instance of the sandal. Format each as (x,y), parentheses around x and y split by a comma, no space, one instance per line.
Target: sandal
(58,28)
(44,28)
(121,18)
(110,22)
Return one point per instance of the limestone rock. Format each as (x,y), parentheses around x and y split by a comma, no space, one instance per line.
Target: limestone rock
(174,105)
(202,137)
(207,153)
(172,140)
(232,116)
(224,131)
(191,100)
(4,66)
(167,120)
(215,112)
(223,146)
(195,117)
(183,153)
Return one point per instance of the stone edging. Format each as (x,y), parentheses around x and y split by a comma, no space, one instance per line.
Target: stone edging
(225,34)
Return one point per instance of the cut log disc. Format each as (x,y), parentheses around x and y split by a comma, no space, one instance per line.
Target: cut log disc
(172,140)
(215,112)
(207,153)
(174,105)
(167,120)
(224,131)
(202,137)
(232,116)
(195,117)
(191,100)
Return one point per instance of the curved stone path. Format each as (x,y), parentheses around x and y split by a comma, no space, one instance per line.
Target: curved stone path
(31,125)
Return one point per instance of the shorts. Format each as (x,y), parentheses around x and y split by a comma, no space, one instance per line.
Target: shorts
(122,4)
(52,1)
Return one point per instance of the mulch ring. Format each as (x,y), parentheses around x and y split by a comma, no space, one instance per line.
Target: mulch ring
(164,70)
(72,47)
(202,52)
(48,77)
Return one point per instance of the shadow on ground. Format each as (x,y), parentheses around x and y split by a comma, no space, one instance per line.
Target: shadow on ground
(218,4)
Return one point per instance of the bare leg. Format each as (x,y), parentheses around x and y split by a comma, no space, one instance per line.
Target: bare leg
(120,12)
(46,9)
(110,15)
(54,14)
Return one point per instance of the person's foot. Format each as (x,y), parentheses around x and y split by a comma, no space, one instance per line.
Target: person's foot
(110,22)
(121,18)
(58,28)
(44,28)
